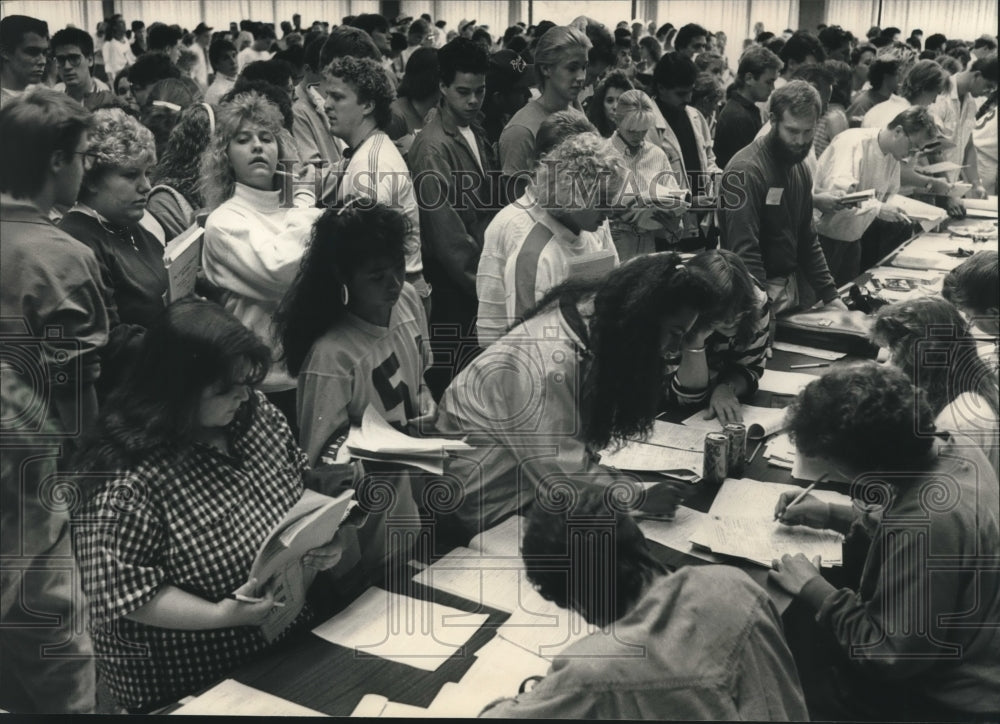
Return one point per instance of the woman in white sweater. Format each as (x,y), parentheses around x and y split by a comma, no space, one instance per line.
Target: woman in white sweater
(259,225)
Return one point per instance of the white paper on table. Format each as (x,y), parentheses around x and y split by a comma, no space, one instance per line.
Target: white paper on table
(763,540)
(981,208)
(676,534)
(925,214)
(781,447)
(395,710)
(370,706)
(545,632)
(500,583)
(231,698)
(411,631)
(756,499)
(810,351)
(654,458)
(937,251)
(760,421)
(809,468)
(784,383)
(501,540)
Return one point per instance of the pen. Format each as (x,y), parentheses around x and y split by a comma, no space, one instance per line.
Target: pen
(813,364)
(249,599)
(798,498)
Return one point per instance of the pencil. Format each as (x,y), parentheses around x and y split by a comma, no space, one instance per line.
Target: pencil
(755,451)
(798,498)
(812,364)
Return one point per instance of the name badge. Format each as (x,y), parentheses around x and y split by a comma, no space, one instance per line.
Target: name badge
(774,196)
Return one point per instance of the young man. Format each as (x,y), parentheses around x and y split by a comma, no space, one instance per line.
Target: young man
(164,39)
(454,167)
(24,44)
(222,56)
(766,205)
(691,40)
(800,49)
(508,90)
(358,96)
(860,159)
(974,287)
(202,66)
(883,79)
(53,322)
(116,51)
(147,71)
(310,128)
(740,120)
(73,50)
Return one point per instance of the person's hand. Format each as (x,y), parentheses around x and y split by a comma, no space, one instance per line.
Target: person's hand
(246,613)
(978,191)
(661,499)
(955,208)
(326,556)
(837,303)
(794,572)
(426,412)
(829,201)
(893,214)
(809,511)
(724,404)
(696,336)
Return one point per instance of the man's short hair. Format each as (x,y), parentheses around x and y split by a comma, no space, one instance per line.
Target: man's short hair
(833,37)
(674,70)
(880,69)
(150,68)
(859,51)
(814,74)
(371,23)
(986,66)
(275,71)
(13,28)
(984,41)
(915,120)
(74,36)
(461,55)
(975,283)
(219,48)
(346,41)
(800,46)
(314,49)
(797,97)
(369,80)
(706,88)
(925,76)
(161,37)
(688,33)
(418,29)
(32,128)
(755,60)
(559,126)
(935,42)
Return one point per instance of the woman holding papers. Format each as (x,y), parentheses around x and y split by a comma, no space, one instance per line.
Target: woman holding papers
(918,639)
(583,369)
(723,357)
(189,471)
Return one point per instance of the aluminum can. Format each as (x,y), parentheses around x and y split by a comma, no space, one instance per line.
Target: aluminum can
(716,456)
(736,454)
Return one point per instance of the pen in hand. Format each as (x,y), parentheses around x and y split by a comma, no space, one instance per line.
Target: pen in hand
(250,599)
(798,499)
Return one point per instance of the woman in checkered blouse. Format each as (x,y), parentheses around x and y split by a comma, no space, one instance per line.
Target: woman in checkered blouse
(190,471)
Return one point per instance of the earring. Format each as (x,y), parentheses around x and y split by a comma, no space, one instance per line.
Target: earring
(345,296)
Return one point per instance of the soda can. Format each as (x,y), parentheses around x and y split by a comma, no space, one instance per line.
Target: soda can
(736,454)
(716,456)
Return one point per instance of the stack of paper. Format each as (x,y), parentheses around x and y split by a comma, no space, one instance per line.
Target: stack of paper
(926,215)
(669,448)
(784,383)
(894,284)
(676,534)
(981,208)
(780,451)
(377,440)
(761,422)
(231,698)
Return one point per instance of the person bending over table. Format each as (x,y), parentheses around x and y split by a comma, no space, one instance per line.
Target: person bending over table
(583,369)
(974,287)
(188,472)
(722,358)
(927,338)
(704,643)
(918,639)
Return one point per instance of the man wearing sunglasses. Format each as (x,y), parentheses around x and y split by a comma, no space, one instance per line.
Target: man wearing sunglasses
(24,46)
(73,52)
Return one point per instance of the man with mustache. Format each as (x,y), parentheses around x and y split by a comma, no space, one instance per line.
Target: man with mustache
(24,47)
(766,205)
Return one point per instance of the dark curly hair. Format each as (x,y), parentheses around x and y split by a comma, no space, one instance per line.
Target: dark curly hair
(866,415)
(734,290)
(178,167)
(624,370)
(975,283)
(595,106)
(589,557)
(342,239)
(370,82)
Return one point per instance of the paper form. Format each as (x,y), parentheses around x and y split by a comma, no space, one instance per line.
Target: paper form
(807,468)
(395,710)
(231,698)
(654,458)
(810,351)
(371,705)
(676,534)
(419,633)
(501,540)
(760,421)
(784,383)
(500,583)
(546,632)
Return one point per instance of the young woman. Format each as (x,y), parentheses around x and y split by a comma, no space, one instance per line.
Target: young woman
(255,236)
(650,51)
(928,339)
(189,470)
(601,106)
(583,369)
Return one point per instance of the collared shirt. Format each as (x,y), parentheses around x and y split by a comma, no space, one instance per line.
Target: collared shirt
(739,122)
(957,116)
(117,55)
(315,143)
(221,85)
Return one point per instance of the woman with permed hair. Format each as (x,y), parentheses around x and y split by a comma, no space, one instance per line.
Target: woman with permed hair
(584,369)
(601,106)
(257,230)
(916,640)
(177,195)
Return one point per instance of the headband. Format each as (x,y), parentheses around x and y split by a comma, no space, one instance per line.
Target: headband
(211,117)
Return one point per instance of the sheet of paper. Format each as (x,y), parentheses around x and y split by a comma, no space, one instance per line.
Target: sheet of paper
(760,421)
(500,583)
(654,458)
(983,208)
(545,633)
(761,541)
(785,383)
(501,540)
(231,698)
(756,499)
(395,710)
(422,634)
(941,167)
(926,215)
(781,447)
(937,251)
(810,351)
(811,469)
(676,534)
(370,706)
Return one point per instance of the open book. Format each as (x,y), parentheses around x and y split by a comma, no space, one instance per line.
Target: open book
(182,258)
(592,266)
(375,439)
(761,422)
(312,522)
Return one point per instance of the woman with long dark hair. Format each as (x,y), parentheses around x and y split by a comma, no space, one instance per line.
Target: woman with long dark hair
(601,107)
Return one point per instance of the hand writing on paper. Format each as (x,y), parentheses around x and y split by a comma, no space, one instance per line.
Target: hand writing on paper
(794,572)
(251,611)
(326,556)
(427,413)
(724,404)
(809,511)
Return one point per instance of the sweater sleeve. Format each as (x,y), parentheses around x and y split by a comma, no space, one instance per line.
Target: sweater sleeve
(812,262)
(741,200)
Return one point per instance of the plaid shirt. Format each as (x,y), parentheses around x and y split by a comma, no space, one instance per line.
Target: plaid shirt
(194,519)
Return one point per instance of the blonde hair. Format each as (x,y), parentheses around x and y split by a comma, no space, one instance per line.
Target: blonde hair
(218,181)
(117,140)
(554,45)
(635,111)
(585,169)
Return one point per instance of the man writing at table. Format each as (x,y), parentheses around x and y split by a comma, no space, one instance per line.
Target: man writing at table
(766,206)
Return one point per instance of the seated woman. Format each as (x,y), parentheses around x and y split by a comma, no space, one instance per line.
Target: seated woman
(255,237)
(723,357)
(601,107)
(355,334)
(927,338)
(918,639)
(650,662)
(205,468)
(585,368)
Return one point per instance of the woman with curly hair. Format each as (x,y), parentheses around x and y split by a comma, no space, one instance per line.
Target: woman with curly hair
(916,640)
(257,230)
(176,197)
(584,369)
(166,101)
(189,470)
(601,106)
(928,339)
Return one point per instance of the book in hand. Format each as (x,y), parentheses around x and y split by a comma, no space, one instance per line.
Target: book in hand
(592,266)
(857,197)
(182,258)
(375,439)
(311,523)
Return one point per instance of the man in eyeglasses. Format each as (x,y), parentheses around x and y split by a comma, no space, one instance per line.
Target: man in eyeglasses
(73,51)
(862,159)
(24,46)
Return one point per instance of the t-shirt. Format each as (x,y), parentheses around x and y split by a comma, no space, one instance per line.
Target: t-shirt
(470,138)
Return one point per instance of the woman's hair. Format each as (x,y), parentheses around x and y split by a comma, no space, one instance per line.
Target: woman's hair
(595,107)
(583,170)
(192,345)
(625,372)
(554,45)
(867,415)
(975,283)
(930,342)
(841,72)
(733,290)
(217,177)
(652,46)
(277,96)
(635,111)
(179,165)
(370,82)
(706,89)
(609,561)
(164,104)
(117,140)
(343,238)
(707,62)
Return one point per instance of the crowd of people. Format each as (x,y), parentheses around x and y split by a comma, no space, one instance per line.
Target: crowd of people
(536,241)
